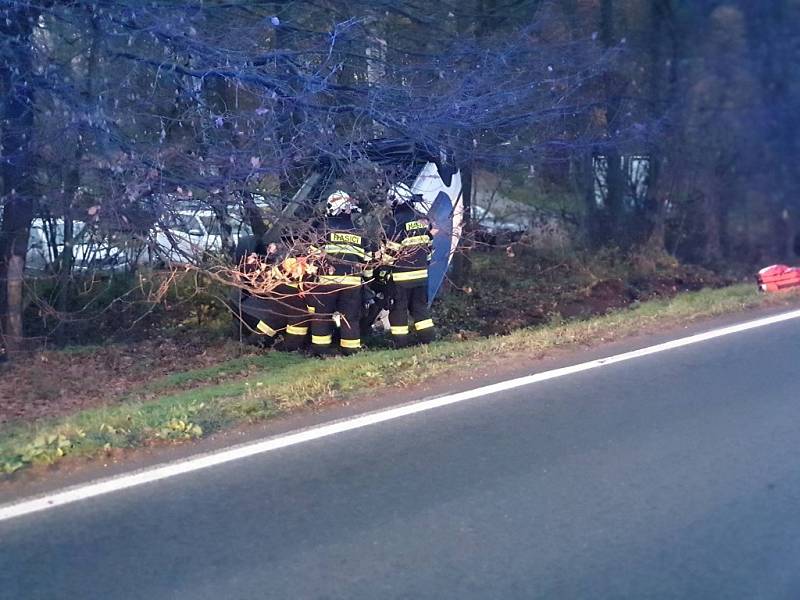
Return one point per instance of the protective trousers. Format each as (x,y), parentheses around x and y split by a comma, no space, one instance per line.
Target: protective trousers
(284,311)
(326,300)
(407,299)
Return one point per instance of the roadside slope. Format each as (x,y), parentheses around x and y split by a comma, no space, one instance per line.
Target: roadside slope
(668,475)
(282,385)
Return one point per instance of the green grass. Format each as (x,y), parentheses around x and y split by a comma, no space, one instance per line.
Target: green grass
(220,371)
(80,350)
(275,383)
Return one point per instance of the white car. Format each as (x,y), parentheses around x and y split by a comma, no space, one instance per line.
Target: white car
(182,237)
(189,237)
(91,250)
(486,219)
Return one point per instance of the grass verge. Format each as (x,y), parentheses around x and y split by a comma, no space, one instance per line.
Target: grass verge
(280,383)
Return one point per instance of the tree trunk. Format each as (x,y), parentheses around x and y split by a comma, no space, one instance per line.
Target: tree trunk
(226,232)
(73,178)
(712,229)
(17,166)
(796,244)
(292,114)
(613,229)
(655,207)
(474,18)
(66,261)
(787,241)
(615,205)
(253,216)
(352,75)
(15,271)
(663,99)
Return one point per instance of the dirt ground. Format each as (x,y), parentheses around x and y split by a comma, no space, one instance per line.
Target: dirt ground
(57,382)
(514,294)
(53,383)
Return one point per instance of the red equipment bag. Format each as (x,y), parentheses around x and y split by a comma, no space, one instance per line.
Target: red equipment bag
(778,277)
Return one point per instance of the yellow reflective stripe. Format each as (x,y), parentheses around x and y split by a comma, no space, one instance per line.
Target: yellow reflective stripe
(399,329)
(420,325)
(416,240)
(341,279)
(394,245)
(311,309)
(409,275)
(264,328)
(345,249)
(321,340)
(296,330)
(350,343)
(416,225)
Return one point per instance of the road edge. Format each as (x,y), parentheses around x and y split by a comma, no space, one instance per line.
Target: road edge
(191,464)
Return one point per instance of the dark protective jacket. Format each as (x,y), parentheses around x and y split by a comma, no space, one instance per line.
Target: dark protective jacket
(344,249)
(408,245)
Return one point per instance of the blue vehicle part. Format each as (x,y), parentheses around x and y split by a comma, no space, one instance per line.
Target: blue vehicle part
(441,218)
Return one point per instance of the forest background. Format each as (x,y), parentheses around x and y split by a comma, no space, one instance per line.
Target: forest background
(651,145)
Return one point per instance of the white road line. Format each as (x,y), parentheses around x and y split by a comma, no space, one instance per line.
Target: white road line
(203,461)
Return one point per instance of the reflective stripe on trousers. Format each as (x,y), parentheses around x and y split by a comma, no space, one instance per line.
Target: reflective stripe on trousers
(409,275)
(296,330)
(425,324)
(350,280)
(266,329)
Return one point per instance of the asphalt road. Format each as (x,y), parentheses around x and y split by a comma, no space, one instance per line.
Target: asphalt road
(676,475)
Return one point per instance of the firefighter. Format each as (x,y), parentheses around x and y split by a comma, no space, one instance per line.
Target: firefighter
(407,249)
(283,310)
(249,252)
(342,256)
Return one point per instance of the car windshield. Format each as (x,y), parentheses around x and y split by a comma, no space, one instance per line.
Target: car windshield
(183,223)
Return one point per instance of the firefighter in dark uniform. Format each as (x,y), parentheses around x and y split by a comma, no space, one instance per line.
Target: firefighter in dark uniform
(342,256)
(283,310)
(407,251)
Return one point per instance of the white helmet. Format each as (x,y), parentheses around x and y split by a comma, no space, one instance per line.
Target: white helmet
(340,202)
(399,194)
